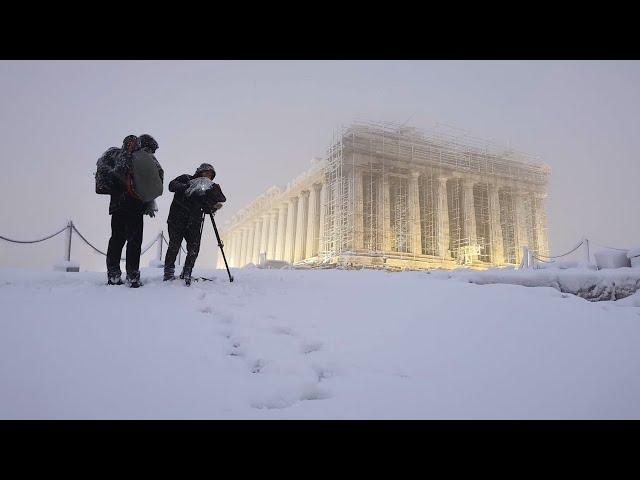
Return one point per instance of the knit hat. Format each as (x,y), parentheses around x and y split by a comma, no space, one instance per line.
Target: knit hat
(148,141)
(205,167)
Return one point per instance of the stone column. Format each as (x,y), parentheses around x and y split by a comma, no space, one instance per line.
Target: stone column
(313,221)
(542,246)
(273,232)
(519,197)
(264,238)
(249,255)
(257,235)
(243,247)
(321,220)
(282,231)
(358,214)
(388,239)
(301,226)
(239,248)
(468,211)
(413,191)
(289,244)
(235,247)
(443,219)
(497,245)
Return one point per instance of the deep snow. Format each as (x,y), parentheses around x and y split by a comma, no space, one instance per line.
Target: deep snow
(311,344)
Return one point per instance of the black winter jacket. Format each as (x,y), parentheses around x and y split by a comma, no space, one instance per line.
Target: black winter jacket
(185,209)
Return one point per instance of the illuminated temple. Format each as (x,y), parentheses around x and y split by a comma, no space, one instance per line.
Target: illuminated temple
(394,197)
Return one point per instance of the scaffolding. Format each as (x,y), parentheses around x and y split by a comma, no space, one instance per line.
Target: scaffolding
(368,210)
(483,221)
(508,225)
(429,226)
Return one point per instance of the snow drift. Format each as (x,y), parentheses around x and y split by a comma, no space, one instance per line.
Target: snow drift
(311,344)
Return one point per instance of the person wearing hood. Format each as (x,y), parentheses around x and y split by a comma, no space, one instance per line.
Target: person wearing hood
(126,210)
(185,218)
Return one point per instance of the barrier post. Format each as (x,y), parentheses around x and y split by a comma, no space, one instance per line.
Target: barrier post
(157,262)
(67,265)
(586,251)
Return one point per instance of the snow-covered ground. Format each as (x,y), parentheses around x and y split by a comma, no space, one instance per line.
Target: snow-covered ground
(281,344)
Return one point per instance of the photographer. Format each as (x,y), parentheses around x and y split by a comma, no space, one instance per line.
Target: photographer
(193,197)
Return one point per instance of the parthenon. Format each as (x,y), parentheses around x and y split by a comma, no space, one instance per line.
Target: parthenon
(394,197)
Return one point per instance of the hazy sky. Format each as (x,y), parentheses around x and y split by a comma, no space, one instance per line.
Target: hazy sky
(261,122)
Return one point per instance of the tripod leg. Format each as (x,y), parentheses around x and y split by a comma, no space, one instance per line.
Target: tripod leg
(215,229)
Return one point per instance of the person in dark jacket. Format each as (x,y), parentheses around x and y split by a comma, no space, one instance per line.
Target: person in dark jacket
(126,213)
(185,219)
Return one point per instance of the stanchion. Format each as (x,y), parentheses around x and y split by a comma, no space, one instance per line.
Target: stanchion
(67,265)
(157,262)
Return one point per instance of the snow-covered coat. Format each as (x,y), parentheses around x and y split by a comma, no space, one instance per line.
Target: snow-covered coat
(186,209)
(115,168)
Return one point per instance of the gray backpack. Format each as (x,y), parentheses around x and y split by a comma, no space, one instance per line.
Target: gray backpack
(147,179)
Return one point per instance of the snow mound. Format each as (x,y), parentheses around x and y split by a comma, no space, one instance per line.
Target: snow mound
(609,258)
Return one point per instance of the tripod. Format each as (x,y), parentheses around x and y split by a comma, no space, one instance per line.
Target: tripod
(220,244)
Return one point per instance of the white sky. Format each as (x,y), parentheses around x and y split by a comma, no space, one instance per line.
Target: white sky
(260,123)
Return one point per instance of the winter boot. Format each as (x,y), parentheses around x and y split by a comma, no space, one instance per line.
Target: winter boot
(168,275)
(186,275)
(133,280)
(114,279)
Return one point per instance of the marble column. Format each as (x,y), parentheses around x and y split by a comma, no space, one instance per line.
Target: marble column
(257,235)
(468,211)
(443,219)
(264,238)
(520,197)
(235,247)
(384,197)
(301,226)
(358,207)
(282,231)
(243,247)
(273,232)
(497,245)
(313,221)
(289,244)
(539,216)
(321,220)
(415,244)
(239,248)
(249,255)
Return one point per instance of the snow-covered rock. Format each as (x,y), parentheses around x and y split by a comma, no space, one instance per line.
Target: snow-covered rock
(634,256)
(609,258)
(593,285)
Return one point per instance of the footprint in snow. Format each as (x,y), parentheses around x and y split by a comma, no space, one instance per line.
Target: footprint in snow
(283,331)
(309,347)
(257,366)
(225,319)
(288,398)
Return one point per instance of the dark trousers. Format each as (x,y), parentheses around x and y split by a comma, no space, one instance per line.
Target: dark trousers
(125,227)
(189,230)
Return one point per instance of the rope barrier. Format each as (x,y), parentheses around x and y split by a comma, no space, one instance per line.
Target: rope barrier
(89,243)
(611,248)
(167,242)
(144,250)
(35,241)
(565,254)
(541,260)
